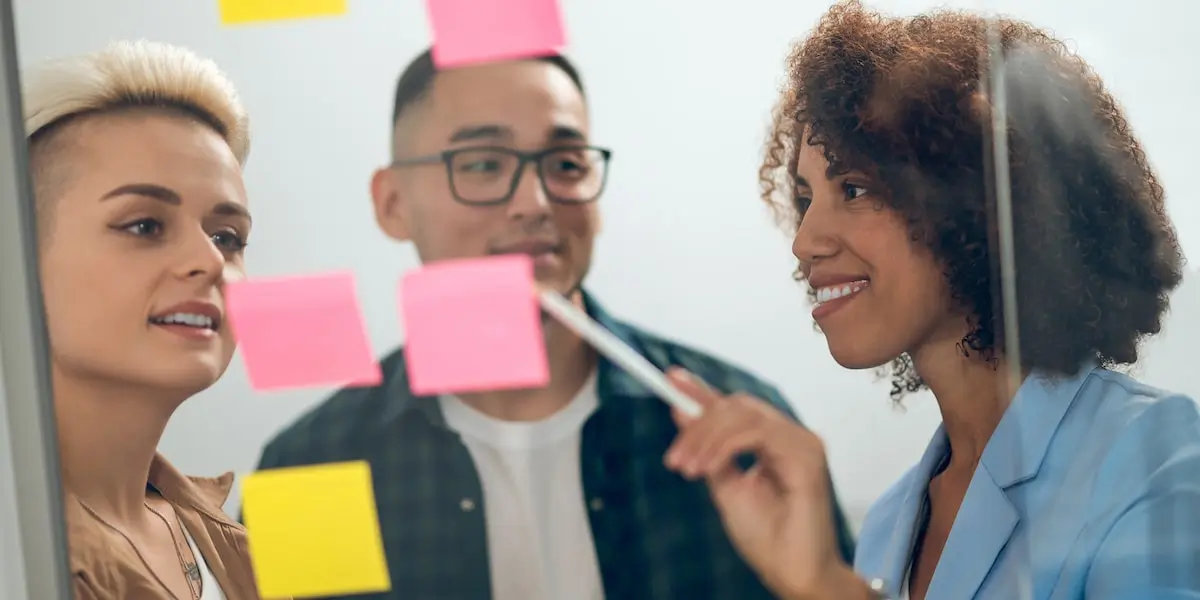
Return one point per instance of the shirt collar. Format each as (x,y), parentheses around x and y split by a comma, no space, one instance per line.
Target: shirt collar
(611,380)
(206,495)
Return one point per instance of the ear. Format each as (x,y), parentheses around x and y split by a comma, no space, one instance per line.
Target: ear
(388,203)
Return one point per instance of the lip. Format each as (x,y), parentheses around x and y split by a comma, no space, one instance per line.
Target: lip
(532,247)
(195,307)
(828,307)
(820,280)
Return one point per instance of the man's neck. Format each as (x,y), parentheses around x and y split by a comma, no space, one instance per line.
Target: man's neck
(108,435)
(572,362)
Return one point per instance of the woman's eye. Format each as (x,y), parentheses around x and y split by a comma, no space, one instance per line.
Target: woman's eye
(144,227)
(801,203)
(854,192)
(229,241)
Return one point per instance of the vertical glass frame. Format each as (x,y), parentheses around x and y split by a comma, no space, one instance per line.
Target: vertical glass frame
(28,410)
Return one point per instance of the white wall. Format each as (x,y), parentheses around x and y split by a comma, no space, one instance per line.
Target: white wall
(681,91)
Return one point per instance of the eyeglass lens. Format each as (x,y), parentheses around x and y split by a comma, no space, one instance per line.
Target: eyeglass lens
(487,175)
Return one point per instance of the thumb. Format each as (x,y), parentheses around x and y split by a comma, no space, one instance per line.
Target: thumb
(723,484)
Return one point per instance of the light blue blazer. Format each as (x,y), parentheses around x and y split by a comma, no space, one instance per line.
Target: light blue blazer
(1089,488)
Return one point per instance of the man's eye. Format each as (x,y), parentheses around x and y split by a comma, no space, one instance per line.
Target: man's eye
(568,168)
(481,166)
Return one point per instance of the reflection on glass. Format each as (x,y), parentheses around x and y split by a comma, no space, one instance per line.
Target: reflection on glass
(893,146)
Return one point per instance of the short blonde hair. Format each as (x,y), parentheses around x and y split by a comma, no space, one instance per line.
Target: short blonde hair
(131,74)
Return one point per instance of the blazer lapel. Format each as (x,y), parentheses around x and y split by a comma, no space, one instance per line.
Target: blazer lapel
(899,514)
(1013,456)
(983,526)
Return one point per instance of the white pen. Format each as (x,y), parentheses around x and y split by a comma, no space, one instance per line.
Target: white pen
(617,351)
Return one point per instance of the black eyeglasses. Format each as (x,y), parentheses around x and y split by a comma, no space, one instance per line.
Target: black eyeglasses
(486,175)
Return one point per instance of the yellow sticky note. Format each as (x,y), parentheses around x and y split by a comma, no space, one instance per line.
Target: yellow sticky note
(314,531)
(237,12)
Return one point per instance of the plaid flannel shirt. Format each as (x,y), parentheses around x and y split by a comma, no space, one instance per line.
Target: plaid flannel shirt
(657,535)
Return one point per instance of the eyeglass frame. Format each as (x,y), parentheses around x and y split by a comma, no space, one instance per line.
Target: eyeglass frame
(446,159)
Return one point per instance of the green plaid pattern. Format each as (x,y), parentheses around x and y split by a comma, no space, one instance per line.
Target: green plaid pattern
(657,536)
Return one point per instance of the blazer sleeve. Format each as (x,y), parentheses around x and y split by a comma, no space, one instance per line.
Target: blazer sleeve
(1152,550)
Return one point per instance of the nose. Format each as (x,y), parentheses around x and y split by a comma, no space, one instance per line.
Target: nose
(815,239)
(199,257)
(529,200)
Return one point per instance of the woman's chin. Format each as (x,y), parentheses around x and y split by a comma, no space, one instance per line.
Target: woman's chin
(189,379)
(858,357)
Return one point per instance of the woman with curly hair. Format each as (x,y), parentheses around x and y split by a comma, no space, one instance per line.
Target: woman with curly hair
(1075,482)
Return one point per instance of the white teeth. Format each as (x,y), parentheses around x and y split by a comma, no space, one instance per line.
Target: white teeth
(189,319)
(833,292)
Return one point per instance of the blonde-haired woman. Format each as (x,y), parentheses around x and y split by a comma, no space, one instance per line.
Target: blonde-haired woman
(136,156)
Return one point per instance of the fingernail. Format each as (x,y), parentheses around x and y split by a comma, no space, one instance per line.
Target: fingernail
(679,374)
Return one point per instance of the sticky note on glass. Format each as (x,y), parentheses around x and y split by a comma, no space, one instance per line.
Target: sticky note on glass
(301,331)
(473,325)
(239,12)
(476,31)
(314,531)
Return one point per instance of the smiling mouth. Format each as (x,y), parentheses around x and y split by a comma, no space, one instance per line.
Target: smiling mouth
(193,320)
(842,290)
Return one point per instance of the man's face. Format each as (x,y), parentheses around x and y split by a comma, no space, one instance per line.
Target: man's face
(527,106)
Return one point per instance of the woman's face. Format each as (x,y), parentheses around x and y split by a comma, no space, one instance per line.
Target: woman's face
(878,294)
(145,220)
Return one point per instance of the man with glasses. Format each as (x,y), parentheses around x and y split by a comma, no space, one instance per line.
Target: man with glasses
(557,493)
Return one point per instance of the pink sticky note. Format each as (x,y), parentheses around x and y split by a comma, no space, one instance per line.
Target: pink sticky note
(301,332)
(473,325)
(475,31)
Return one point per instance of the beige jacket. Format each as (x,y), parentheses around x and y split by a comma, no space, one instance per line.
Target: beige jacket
(104,567)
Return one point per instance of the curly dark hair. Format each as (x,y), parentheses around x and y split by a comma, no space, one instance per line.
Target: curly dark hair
(905,101)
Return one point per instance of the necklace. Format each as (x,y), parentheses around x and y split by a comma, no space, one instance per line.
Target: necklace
(187,567)
(191,570)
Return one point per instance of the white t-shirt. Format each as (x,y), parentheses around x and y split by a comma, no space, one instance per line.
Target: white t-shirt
(539,536)
(211,590)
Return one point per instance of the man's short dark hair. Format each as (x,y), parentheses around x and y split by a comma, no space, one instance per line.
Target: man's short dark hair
(414,82)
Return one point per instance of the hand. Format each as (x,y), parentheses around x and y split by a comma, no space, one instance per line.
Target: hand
(779,513)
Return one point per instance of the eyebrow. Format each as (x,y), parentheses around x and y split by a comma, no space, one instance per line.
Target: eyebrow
(565,133)
(830,174)
(493,132)
(148,190)
(170,196)
(480,132)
